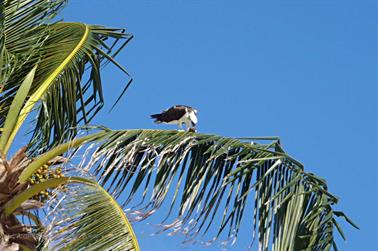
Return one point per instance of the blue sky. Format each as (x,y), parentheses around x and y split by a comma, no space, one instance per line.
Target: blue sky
(302,70)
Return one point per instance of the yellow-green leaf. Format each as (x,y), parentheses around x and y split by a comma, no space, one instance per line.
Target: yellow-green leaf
(14,111)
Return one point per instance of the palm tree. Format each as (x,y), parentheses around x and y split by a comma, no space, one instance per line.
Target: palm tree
(49,201)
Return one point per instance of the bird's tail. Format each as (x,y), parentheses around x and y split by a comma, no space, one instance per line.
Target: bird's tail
(157,118)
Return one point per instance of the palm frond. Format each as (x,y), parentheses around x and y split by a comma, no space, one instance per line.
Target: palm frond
(7,63)
(212,179)
(23,20)
(27,194)
(67,97)
(22,17)
(86,217)
(15,109)
(24,30)
(73,99)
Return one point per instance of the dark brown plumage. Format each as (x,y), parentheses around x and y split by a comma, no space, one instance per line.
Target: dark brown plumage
(174,113)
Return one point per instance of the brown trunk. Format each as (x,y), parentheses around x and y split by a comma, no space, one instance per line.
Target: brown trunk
(12,232)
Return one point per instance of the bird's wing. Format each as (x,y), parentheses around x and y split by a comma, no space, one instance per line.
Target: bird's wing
(173,113)
(184,107)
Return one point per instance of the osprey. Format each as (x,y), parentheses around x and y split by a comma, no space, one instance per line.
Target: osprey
(178,114)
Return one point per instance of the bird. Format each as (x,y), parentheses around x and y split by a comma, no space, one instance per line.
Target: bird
(178,114)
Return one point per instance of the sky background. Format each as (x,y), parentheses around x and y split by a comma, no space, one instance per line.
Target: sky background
(302,70)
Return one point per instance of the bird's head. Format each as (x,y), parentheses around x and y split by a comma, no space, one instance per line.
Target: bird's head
(193,117)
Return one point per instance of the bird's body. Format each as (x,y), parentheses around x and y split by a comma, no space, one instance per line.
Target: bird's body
(178,114)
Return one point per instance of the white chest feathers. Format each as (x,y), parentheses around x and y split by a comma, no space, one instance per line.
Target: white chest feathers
(193,117)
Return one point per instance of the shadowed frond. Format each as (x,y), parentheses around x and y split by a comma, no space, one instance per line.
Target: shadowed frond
(23,22)
(212,179)
(7,63)
(86,217)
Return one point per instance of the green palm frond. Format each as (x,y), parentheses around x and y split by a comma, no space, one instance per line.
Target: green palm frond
(88,218)
(72,99)
(23,32)
(67,97)
(23,21)
(15,108)
(212,178)
(7,63)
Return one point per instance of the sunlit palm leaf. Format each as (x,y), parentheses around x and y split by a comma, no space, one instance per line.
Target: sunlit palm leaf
(67,97)
(23,32)
(217,176)
(88,218)
(74,99)
(15,108)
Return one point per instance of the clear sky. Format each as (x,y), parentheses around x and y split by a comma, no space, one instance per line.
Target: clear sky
(302,70)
